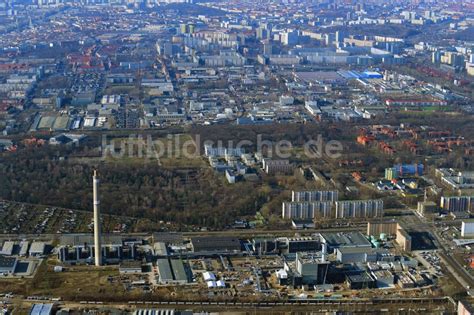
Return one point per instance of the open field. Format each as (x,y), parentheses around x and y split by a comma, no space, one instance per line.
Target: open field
(76,282)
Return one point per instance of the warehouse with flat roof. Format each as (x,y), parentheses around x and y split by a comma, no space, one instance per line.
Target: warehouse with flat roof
(7,264)
(172,271)
(37,249)
(359,281)
(164,271)
(42,309)
(179,272)
(345,239)
(7,248)
(215,244)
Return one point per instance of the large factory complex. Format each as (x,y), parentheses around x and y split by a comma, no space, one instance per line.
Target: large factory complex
(320,261)
(313,263)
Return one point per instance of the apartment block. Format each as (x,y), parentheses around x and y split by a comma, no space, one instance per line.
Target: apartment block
(306,210)
(458,203)
(359,209)
(315,195)
(273,167)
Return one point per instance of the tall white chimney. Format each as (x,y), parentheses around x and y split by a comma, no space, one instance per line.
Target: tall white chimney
(97,243)
(324,252)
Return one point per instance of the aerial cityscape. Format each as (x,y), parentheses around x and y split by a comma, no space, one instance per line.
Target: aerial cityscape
(236,157)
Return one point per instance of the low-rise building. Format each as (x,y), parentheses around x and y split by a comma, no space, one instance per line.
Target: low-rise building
(455,179)
(312,268)
(383,278)
(127,267)
(344,239)
(299,224)
(42,309)
(350,255)
(467,228)
(7,248)
(172,271)
(37,249)
(7,264)
(273,167)
(405,282)
(359,281)
(215,244)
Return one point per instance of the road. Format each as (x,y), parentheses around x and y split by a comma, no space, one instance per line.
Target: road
(237,233)
(352,304)
(454,267)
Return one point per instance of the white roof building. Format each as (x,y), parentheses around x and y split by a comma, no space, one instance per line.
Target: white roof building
(37,248)
(7,248)
(209,276)
(282,274)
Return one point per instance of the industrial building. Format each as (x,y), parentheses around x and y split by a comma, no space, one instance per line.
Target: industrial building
(311,267)
(299,244)
(349,255)
(168,237)
(42,309)
(345,239)
(215,244)
(164,271)
(383,278)
(160,249)
(7,265)
(360,280)
(172,271)
(24,246)
(265,246)
(37,249)
(392,229)
(79,248)
(304,268)
(128,267)
(285,245)
(7,248)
